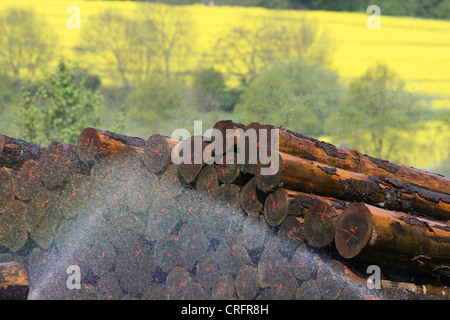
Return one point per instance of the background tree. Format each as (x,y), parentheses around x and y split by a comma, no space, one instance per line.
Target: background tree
(121,45)
(375,112)
(61,108)
(246,49)
(296,95)
(26,43)
(174,37)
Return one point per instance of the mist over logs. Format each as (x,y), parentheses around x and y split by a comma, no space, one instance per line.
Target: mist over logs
(140,225)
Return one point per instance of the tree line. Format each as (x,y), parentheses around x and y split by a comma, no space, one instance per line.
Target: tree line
(279,66)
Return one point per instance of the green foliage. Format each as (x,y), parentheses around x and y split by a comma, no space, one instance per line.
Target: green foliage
(155,101)
(375,111)
(295,94)
(61,107)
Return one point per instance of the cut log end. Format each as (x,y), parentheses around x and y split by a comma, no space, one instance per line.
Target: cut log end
(320,225)
(353,230)
(276,207)
(157,153)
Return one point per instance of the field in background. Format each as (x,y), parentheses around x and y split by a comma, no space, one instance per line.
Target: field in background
(417,49)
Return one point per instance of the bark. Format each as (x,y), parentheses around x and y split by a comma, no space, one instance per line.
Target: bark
(14,283)
(15,152)
(349,159)
(95,143)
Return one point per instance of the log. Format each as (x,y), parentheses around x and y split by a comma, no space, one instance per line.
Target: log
(228,196)
(57,162)
(28,180)
(232,257)
(230,134)
(290,235)
(14,283)
(313,177)
(135,268)
(207,181)
(189,206)
(247,283)
(194,244)
(6,188)
(254,233)
(140,190)
(43,217)
(95,143)
(172,183)
(108,287)
(366,231)
(224,289)
(167,253)
(229,171)
(74,197)
(191,153)
(208,272)
(301,146)
(158,152)
(252,199)
(177,279)
(271,265)
(102,256)
(162,220)
(14,226)
(15,152)
(320,224)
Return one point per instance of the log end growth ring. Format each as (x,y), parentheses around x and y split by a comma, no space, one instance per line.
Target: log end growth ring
(353,230)
(320,224)
(276,207)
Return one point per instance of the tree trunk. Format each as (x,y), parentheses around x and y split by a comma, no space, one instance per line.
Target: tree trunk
(366,231)
(158,152)
(14,226)
(309,176)
(14,152)
(14,284)
(95,143)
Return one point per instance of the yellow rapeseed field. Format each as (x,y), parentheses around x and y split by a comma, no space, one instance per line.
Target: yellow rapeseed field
(418,50)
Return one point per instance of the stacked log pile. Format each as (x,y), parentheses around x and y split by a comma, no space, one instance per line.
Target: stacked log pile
(139,226)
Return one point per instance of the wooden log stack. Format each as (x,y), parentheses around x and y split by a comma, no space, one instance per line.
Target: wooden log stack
(139,225)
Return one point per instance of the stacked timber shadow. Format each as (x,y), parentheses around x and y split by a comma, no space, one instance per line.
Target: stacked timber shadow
(141,227)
